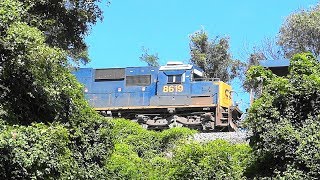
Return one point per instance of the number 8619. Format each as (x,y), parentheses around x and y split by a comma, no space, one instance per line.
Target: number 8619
(172,88)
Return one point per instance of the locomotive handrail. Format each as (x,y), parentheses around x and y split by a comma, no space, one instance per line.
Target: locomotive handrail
(207,79)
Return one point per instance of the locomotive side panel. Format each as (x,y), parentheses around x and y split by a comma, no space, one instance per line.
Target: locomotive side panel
(140,86)
(118,87)
(204,92)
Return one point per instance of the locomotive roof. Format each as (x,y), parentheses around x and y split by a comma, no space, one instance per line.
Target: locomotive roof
(170,66)
(175,67)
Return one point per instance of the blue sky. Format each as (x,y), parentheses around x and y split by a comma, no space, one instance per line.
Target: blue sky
(164,26)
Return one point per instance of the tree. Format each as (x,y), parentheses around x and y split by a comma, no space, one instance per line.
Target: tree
(269,49)
(150,59)
(37,40)
(65,23)
(285,121)
(213,56)
(47,129)
(253,85)
(253,60)
(301,32)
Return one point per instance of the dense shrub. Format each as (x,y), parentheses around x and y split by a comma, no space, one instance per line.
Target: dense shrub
(91,144)
(215,160)
(285,123)
(141,153)
(54,151)
(171,154)
(37,151)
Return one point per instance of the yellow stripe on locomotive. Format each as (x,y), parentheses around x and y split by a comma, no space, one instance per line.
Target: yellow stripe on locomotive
(225,98)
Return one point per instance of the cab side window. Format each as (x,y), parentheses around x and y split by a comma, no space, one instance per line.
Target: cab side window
(175,79)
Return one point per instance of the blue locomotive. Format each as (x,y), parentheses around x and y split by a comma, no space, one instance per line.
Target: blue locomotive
(161,97)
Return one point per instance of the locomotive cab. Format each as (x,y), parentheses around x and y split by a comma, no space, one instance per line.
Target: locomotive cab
(180,84)
(196,101)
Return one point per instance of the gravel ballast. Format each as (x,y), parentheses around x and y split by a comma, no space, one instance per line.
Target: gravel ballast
(232,137)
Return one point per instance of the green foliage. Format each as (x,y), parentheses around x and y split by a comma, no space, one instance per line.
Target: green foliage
(33,152)
(36,85)
(213,56)
(141,153)
(150,59)
(253,60)
(168,138)
(38,93)
(53,151)
(33,78)
(10,11)
(304,64)
(125,163)
(170,154)
(216,160)
(145,142)
(300,32)
(285,122)
(66,23)
(257,76)
(91,143)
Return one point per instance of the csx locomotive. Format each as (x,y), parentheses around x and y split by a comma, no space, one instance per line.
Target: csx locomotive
(176,94)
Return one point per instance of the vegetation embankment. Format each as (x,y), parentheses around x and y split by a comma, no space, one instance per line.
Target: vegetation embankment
(48,131)
(285,121)
(172,154)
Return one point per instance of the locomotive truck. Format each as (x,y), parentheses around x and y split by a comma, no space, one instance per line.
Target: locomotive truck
(176,94)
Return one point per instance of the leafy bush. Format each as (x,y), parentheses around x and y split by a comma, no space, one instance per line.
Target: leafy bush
(53,151)
(285,123)
(215,160)
(170,154)
(141,153)
(91,145)
(37,151)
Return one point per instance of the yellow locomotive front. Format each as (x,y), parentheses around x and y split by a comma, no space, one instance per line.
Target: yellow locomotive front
(227,114)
